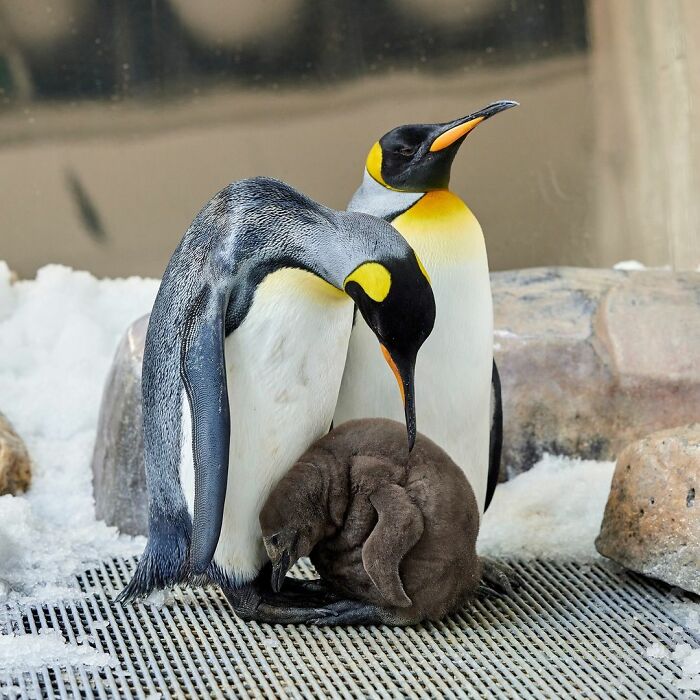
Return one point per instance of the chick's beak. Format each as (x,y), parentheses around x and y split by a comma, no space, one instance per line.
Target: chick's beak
(453,131)
(281,549)
(404,371)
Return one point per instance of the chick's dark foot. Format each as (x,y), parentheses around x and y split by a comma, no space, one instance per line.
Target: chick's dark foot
(310,590)
(355,612)
(252,605)
(297,602)
(497,578)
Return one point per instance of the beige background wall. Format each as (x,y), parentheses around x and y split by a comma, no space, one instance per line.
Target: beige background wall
(593,168)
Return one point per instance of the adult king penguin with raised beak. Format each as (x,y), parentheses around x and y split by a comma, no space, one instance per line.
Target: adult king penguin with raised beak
(243,361)
(406,182)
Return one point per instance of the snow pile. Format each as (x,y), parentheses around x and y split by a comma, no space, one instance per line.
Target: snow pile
(554,510)
(58,334)
(28,652)
(686,656)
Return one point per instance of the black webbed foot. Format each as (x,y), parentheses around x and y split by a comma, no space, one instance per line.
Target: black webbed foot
(297,602)
(302,602)
(252,603)
(355,612)
(314,590)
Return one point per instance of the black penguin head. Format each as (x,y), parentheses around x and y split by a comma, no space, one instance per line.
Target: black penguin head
(418,157)
(396,300)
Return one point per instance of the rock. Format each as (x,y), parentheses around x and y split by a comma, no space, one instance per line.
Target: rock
(591,360)
(15,465)
(118,476)
(652,519)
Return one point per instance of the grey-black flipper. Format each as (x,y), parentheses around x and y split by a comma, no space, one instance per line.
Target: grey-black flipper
(203,368)
(496,435)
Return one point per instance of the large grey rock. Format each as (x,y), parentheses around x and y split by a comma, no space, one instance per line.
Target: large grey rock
(590,360)
(118,476)
(15,465)
(652,518)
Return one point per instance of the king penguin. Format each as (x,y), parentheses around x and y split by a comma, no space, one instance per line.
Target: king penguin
(243,361)
(406,183)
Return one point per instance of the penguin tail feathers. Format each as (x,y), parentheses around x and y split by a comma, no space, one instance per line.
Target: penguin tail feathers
(162,564)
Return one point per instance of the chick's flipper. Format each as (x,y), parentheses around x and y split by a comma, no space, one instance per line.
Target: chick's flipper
(398,529)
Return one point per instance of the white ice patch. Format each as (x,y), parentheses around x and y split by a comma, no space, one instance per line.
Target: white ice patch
(26,652)
(657,651)
(686,656)
(552,511)
(58,334)
(629,265)
(159,599)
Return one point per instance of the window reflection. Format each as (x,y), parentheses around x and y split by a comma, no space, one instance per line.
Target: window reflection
(120,118)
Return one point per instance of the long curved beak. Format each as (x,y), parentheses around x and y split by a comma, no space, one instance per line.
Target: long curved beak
(451,132)
(404,370)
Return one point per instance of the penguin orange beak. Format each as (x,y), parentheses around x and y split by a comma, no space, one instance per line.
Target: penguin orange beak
(452,132)
(405,374)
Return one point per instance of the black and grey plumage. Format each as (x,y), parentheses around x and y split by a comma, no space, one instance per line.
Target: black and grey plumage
(242,365)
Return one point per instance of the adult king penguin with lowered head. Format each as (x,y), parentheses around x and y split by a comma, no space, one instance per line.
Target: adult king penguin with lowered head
(406,182)
(243,361)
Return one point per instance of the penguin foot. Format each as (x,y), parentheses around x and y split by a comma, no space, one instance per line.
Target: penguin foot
(273,608)
(314,591)
(355,612)
(296,602)
(497,578)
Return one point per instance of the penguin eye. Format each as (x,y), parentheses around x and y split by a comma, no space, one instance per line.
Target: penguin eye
(407,151)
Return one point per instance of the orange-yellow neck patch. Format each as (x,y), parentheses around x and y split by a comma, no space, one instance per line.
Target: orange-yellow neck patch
(441,228)
(422,268)
(390,361)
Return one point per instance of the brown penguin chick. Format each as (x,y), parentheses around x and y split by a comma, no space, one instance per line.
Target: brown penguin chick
(395,534)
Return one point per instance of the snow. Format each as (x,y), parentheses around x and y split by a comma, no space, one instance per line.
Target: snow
(58,334)
(657,651)
(552,511)
(686,656)
(160,599)
(26,652)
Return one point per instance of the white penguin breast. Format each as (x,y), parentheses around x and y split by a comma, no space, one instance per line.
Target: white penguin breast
(284,366)
(453,371)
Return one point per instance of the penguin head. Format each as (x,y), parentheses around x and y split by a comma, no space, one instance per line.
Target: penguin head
(396,301)
(418,157)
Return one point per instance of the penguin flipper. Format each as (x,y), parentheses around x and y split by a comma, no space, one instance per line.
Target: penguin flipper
(398,529)
(496,435)
(203,371)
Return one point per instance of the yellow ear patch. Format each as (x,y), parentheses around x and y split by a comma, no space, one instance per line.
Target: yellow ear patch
(374,279)
(374,163)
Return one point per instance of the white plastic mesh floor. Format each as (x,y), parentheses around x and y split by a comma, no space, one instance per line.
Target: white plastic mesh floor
(570,631)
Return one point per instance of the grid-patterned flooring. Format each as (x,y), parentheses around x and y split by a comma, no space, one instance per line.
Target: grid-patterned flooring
(569,631)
